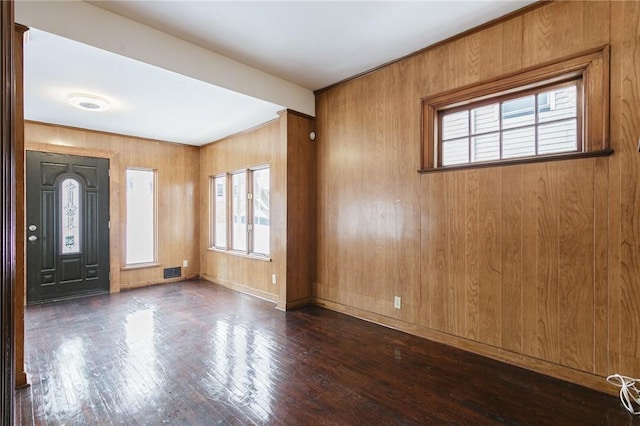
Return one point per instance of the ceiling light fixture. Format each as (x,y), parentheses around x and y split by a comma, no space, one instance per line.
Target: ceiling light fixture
(88,102)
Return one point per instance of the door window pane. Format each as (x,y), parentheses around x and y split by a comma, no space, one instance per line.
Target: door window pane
(70,216)
(261,216)
(239,211)
(140,238)
(220,211)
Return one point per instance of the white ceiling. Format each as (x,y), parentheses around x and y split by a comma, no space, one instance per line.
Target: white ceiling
(195,72)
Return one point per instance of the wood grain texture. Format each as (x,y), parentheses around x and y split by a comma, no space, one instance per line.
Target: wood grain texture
(540,261)
(512,258)
(374,212)
(19,294)
(300,208)
(614,224)
(629,134)
(263,145)
(178,171)
(193,353)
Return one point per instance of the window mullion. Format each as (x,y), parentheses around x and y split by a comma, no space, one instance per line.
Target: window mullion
(212,211)
(500,128)
(535,121)
(469,133)
(249,229)
(229,185)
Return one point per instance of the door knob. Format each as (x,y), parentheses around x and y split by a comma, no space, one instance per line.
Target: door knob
(33,238)
(32,228)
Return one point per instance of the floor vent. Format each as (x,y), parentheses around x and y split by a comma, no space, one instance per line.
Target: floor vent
(172,272)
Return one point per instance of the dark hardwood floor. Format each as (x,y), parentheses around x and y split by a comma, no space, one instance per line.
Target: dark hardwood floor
(194,353)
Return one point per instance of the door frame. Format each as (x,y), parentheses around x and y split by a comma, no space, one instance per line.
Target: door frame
(98,286)
(7,213)
(114,210)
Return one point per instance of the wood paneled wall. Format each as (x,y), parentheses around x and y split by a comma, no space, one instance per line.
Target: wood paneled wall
(300,208)
(535,264)
(284,145)
(178,171)
(262,145)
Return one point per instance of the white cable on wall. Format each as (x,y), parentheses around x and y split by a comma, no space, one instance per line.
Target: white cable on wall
(629,393)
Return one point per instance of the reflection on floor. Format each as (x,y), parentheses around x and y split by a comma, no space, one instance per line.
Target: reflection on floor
(195,353)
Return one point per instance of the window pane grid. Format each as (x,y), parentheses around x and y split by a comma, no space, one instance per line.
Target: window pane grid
(536,123)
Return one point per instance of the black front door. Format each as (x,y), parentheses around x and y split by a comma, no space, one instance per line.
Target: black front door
(67,226)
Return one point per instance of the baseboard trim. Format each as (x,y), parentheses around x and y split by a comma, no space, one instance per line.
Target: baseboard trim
(242,288)
(298,303)
(156,282)
(22,380)
(575,377)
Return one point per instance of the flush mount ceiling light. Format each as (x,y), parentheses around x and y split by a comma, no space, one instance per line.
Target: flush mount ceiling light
(88,102)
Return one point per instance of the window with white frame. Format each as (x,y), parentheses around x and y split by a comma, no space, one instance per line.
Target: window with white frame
(239,218)
(140,245)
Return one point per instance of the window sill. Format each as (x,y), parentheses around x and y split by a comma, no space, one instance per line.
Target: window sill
(240,254)
(140,266)
(558,157)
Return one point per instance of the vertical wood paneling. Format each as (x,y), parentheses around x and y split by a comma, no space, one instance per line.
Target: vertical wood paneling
(575,260)
(490,260)
(373,215)
(529,255)
(563,29)
(629,138)
(472,238)
(614,225)
(538,260)
(456,289)
(600,266)
(404,237)
(354,209)
(435,248)
(547,262)
(300,212)
(264,145)
(512,257)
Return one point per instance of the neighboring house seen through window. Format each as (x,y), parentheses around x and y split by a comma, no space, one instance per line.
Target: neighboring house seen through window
(555,111)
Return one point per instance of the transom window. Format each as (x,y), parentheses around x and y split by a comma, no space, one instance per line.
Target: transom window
(555,111)
(540,122)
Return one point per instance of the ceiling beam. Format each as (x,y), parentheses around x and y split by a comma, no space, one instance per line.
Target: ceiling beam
(89,24)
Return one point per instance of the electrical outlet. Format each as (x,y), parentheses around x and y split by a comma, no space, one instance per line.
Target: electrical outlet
(274,279)
(397,302)
(185,263)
